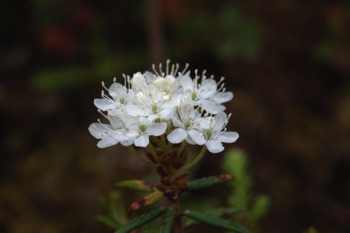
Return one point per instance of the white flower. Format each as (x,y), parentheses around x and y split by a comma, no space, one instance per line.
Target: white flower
(186,125)
(149,103)
(139,129)
(118,97)
(214,132)
(110,134)
(138,82)
(205,94)
(167,85)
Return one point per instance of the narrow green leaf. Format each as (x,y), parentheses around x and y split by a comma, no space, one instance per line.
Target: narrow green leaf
(140,220)
(224,211)
(208,181)
(146,201)
(219,212)
(168,222)
(139,185)
(214,220)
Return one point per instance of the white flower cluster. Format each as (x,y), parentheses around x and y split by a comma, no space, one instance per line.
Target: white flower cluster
(168,103)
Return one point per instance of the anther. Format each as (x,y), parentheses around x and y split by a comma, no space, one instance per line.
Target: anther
(186,67)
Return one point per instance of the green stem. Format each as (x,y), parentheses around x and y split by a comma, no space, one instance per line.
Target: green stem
(135,153)
(194,161)
(177,226)
(182,147)
(153,152)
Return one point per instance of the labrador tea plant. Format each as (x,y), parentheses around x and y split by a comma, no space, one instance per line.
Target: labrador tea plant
(161,113)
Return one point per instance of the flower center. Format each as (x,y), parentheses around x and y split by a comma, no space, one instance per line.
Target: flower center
(122,100)
(154,108)
(142,128)
(187,124)
(193,96)
(208,133)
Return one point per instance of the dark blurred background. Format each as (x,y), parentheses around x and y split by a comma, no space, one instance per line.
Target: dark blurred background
(287,62)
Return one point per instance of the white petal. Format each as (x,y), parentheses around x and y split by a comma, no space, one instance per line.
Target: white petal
(128,120)
(128,142)
(207,89)
(223,97)
(99,130)
(228,137)
(116,123)
(172,83)
(197,137)
(142,141)
(204,123)
(106,142)
(134,110)
(209,106)
(116,89)
(104,104)
(120,135)
(132,134)
(160,83)
(190,141)
(186,82)
(166,113)
(138,82)
(157,129)
(176,121)
(214,146)
(220,121)
(150,77)
(177,135)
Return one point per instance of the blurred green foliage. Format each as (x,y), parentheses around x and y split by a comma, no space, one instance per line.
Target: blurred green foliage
(225,32)
(311,230)
(254,208)
(240,36)
(116,211)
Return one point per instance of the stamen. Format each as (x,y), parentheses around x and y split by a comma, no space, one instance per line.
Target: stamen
(176,68)
(172,69)
(167,66)
(99,110)
(184,70)
(221,80)
(129,81)
(154,69)
(160,69)
(221,87)
(104,86)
